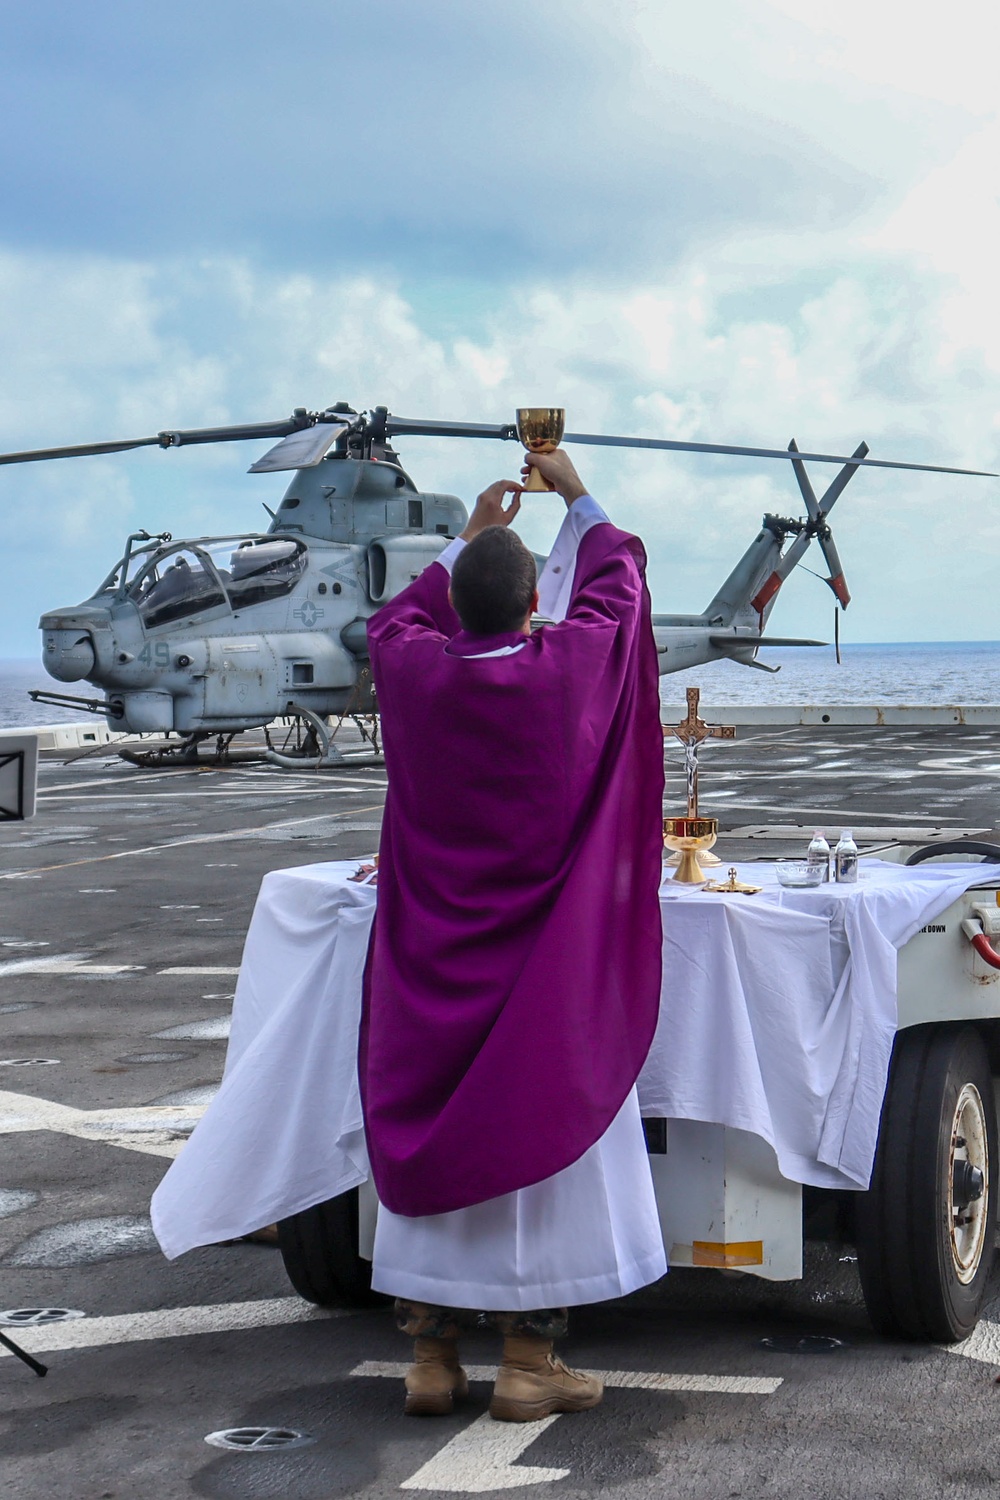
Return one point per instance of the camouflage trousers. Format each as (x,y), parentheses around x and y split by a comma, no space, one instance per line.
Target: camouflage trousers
(426,1320)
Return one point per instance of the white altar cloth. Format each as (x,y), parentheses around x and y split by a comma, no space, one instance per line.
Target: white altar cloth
(587,1234)
(777,1017)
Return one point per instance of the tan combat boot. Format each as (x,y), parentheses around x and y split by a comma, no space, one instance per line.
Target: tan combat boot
(532,1383)
(435,1380)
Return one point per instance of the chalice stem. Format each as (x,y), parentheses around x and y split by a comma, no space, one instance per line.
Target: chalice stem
(689,871)
(537,482)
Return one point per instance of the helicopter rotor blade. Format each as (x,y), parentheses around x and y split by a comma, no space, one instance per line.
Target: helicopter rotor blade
(178,438)
(836,580)
(300,450)
(820,509)
(248,432)
(791,558)
(78,450)
(401,426)
(598,440)
(411,427)
(408,426)
(805,483)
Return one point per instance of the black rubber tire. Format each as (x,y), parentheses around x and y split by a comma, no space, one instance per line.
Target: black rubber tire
(903,1230)
(320,1249)
(986,851)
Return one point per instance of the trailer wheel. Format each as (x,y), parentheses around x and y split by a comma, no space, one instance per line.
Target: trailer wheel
(320,1249)
(925,1229)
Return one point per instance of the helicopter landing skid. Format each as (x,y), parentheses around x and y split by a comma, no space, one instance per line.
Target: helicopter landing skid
(307,745)
(186,752)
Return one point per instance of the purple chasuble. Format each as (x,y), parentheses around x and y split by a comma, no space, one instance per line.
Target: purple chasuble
(513,977)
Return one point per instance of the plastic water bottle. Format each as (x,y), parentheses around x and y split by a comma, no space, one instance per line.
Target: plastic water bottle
(818,854)
(845,859)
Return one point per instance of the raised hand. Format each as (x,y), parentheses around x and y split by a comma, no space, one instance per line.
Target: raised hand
(558,469)
(490,509)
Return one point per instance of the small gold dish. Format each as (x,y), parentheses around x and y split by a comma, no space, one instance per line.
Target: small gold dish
(689,837)
(733,885)
(540,429)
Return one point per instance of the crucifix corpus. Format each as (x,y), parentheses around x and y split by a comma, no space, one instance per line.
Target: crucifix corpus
(691,731)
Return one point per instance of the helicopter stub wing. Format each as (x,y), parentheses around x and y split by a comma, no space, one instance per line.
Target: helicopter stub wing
(740,642)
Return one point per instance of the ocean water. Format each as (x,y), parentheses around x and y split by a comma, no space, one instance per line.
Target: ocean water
(961,672)
(917,672)
(17,709)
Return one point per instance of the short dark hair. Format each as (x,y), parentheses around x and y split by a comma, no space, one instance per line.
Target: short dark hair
(493,582)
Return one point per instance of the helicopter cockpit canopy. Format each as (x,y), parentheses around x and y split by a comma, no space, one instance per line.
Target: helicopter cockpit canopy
(173,582)
(176,585)
(259,570)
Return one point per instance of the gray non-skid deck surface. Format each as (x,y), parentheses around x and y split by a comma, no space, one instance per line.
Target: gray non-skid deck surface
(126,875)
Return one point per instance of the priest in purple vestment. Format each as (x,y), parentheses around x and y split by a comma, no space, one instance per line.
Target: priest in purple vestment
(513,979)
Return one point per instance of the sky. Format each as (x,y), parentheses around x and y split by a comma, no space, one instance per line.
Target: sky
(740,222)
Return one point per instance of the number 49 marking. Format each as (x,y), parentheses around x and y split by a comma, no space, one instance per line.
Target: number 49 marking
(158,655)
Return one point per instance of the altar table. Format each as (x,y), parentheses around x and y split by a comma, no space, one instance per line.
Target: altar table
(777,1016)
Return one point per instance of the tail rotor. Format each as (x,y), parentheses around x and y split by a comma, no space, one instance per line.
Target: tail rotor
(818,512)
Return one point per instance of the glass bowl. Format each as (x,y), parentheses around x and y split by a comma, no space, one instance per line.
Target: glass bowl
(798,874)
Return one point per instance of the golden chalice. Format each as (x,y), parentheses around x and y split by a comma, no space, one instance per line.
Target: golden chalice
(689,837)
(540,429)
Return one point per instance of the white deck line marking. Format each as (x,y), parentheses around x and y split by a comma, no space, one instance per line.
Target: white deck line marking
(481,1457)
(31,965)
(633,1380)
(68,965)
(200,838)
(235,793)
(129,782)
(152,1130)
(171,1323)
(182,969)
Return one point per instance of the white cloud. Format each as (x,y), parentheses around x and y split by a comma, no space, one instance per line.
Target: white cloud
(930,52)
(866,350)
(721,327)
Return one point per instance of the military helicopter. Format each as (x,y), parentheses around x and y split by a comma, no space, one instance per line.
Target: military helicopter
(207,637)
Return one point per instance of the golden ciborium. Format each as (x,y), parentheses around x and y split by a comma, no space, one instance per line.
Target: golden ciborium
(540,429)
(689,837)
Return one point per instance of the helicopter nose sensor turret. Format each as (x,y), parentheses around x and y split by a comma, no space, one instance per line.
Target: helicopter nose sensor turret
(68,655)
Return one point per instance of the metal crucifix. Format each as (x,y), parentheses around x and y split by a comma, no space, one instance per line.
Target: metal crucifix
(691,731)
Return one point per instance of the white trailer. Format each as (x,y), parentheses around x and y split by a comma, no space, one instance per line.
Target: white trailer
(924,1230)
